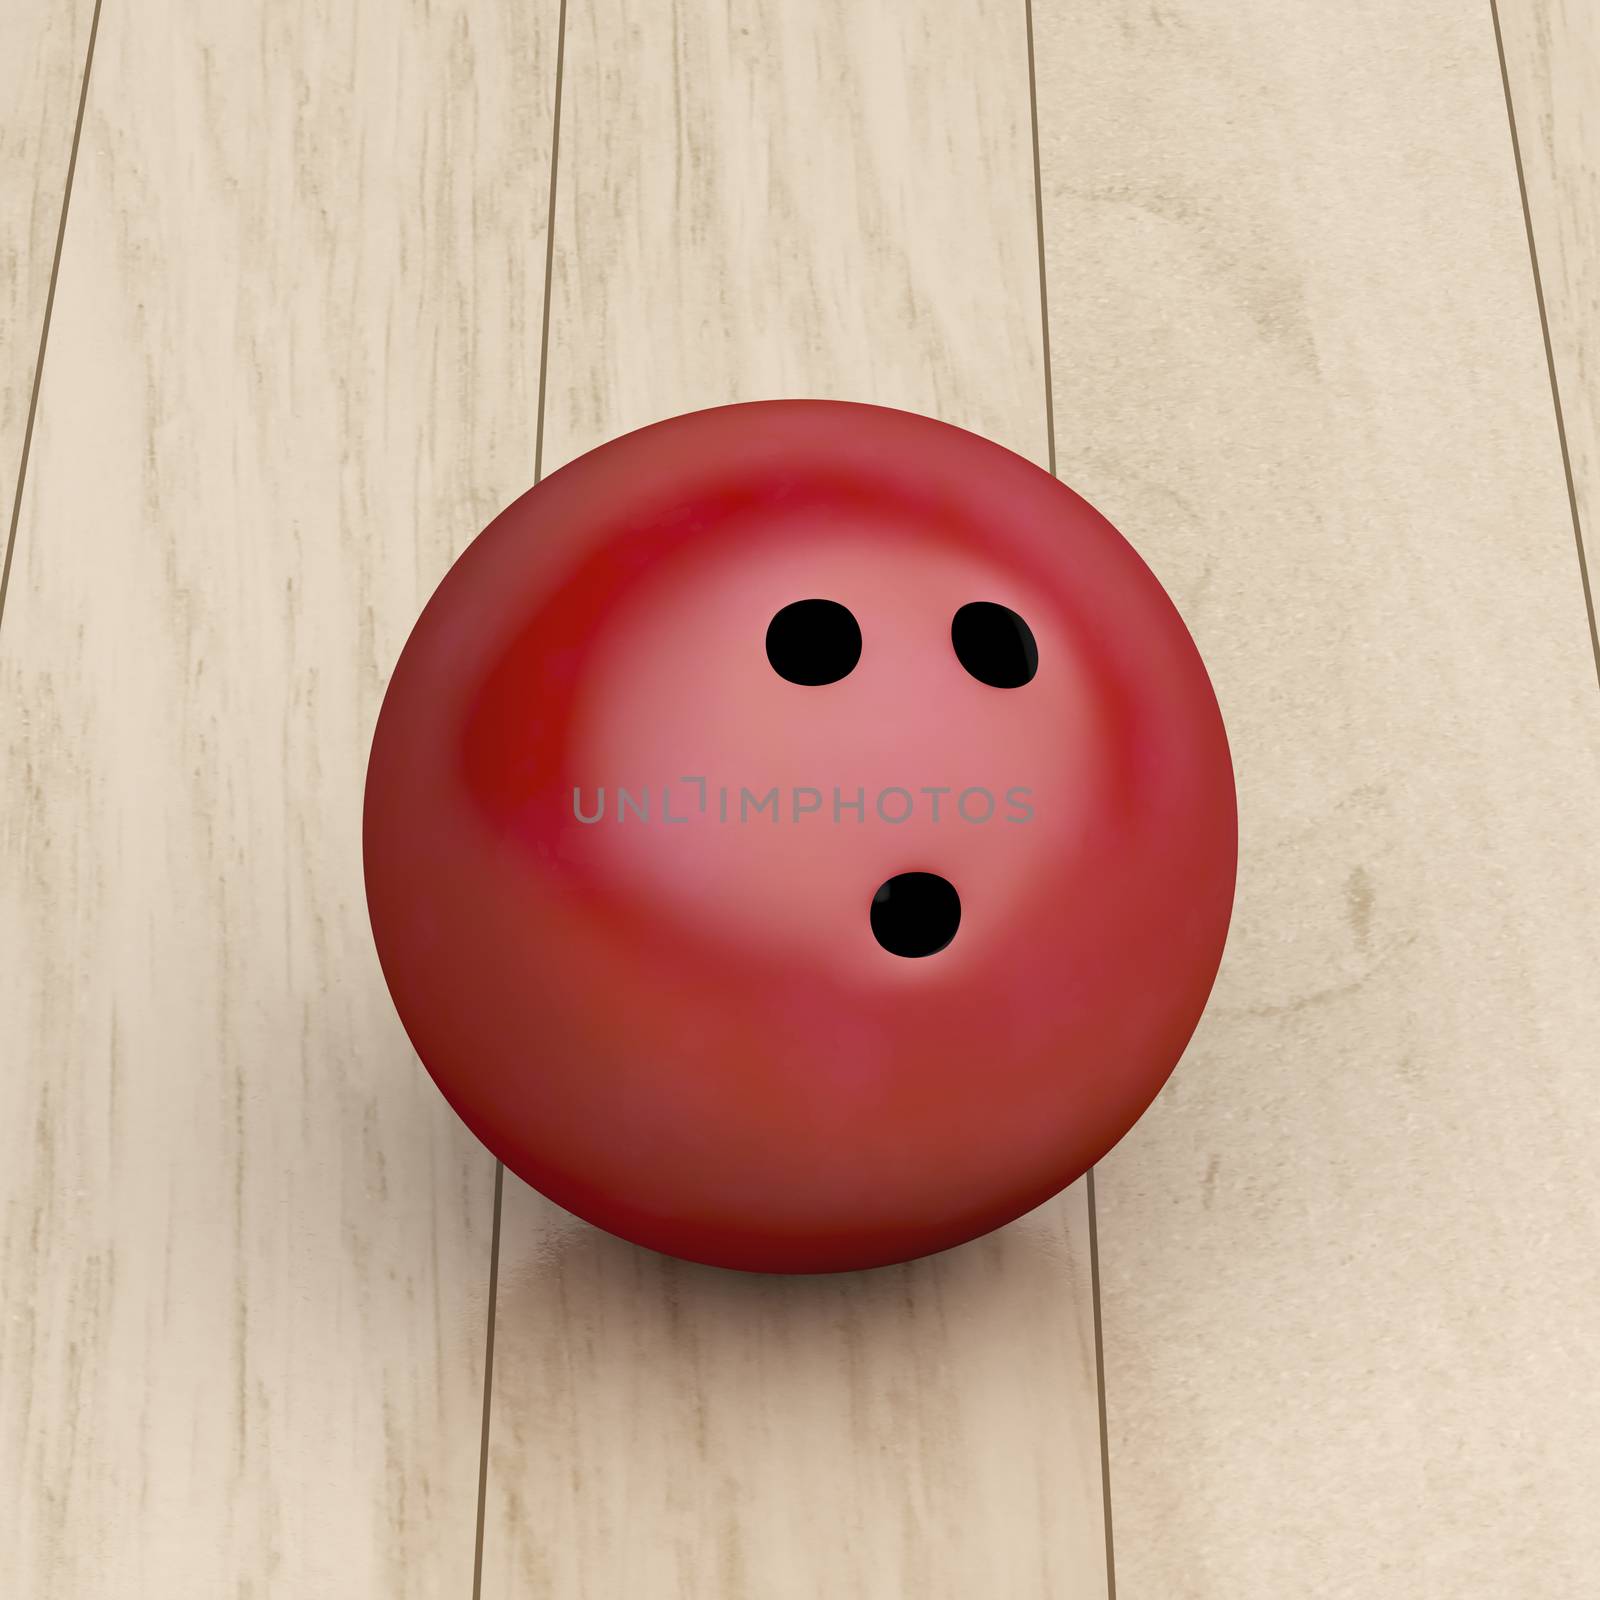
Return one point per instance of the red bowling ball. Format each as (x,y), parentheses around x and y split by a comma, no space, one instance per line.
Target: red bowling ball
(800,836)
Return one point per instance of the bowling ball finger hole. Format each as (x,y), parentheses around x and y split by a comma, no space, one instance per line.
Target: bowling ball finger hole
(813,642)
(916,914)
(994,644)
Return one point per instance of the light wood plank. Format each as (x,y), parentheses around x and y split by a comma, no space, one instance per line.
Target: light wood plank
(1552,58)
(42,49)
(292,370)
(756,200)
(1351,1259)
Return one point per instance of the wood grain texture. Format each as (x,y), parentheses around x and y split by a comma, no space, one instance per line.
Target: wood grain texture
(757,200)
(42,49)
(244,1246)
(1351,1259)
(1552,58)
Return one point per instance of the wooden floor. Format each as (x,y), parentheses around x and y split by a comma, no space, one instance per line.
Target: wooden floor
(1305,298)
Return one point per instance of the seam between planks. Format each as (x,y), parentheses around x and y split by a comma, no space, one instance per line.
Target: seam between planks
(550,244)
(1038,219)
(1050,438)
(538,471)
(488,1379)
(49,308)
(1544,329)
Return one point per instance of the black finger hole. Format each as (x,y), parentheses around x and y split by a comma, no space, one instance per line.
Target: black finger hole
(994,644)
(916,914)
(813,642)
